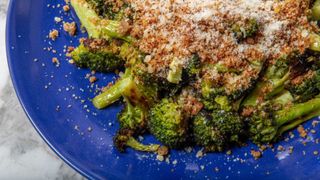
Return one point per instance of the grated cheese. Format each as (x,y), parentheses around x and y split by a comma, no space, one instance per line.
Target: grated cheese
(170,29)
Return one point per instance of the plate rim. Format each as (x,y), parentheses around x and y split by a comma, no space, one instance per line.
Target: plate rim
(69,162)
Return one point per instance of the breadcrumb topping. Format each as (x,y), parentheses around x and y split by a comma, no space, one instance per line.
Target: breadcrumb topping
(169,29)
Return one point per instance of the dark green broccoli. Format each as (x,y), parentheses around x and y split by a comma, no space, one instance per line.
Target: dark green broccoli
(245,29)
(215,94)
(128,85)
(132,121)
(96,26)
(180,72)
(167,122)
(205,134)
(306,87)
(296,73)
(108,9)
(272,83)
(125,138)
(194,66)
(217,130)
(132,117)
(304,83)
(267,124)
(163,86)
(97,55)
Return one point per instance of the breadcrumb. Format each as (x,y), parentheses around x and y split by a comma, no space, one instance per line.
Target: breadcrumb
(163,150)
(199,154)
(92,79)
(256,154)
(70,28)
(302,132)
(53,34)
(66,8)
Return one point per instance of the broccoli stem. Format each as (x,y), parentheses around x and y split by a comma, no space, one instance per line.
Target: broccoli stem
(87,16)
(113,93)
(283,99)
(95,26)
(276,86)
(296,111)
(134,144)
(297,122)
(316,10)
(110,29)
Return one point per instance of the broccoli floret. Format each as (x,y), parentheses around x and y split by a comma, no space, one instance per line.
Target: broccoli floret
(207,135)
(132,121)
(129,85)
(267,124)
(215,94)
(217,130)
(124,138)
(97,55)
(132,117)
(243,30)
(167,122)
(96,26)
(296,73)
(163,86)
(272,83)
(307,87)
(181,71)
(108,9)
(194,66)
(304,83)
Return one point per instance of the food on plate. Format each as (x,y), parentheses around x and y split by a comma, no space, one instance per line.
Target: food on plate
(206,73)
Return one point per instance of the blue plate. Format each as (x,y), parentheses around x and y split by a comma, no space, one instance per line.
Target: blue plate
(57,101)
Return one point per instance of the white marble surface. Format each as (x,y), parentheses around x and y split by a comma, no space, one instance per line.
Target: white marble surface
(23,154)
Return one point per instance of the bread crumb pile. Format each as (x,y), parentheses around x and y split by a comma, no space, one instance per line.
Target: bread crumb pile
(168,29)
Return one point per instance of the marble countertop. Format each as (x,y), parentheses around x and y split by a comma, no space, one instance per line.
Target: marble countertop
(23,154)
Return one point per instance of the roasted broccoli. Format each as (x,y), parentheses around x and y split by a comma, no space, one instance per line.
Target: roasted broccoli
(133,117)
(98,55)
(108,9)
(245,29)
(217,130)
(297,73)
(132,121)
(216,94)
(128,87)
(168,123)
(271,83)
(304,83)
(124,138)
(215,85)
(96,26)
(287,91)
(306,86)
(267,124)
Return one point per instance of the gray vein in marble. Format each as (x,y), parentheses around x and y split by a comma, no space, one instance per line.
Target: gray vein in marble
(23,154)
